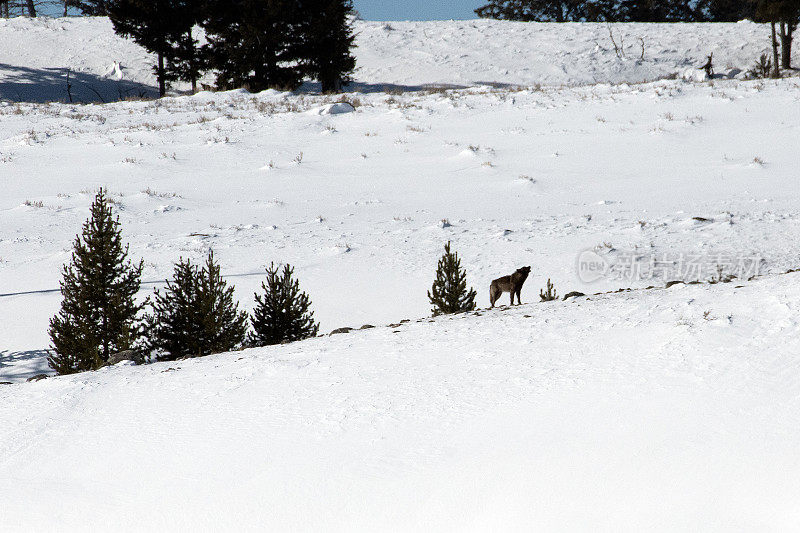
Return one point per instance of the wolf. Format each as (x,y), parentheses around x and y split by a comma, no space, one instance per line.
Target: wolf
(512,284)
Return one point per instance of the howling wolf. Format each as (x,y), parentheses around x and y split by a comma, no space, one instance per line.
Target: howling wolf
(512,284)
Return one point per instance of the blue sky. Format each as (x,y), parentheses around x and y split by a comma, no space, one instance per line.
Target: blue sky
(417,9)
(398,9)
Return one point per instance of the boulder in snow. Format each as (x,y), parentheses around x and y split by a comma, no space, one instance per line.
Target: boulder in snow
(127,355)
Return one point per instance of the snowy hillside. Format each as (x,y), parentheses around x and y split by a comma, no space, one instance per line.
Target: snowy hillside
(647,409)
(657,410)
(656,172)
(36,53)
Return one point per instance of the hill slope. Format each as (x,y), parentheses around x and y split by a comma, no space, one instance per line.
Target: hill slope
(658,410)
(35,55)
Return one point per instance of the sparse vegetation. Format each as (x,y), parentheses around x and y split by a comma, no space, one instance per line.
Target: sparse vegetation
(548,294)
(762,68)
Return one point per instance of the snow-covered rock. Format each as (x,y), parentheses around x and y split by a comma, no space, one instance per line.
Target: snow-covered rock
(337,108)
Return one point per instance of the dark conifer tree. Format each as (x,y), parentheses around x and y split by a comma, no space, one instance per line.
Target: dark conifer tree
(254,43)
(602,11)
(99,315)
(730,10)
(91,8)
(449,293)
(186,60)
(783,16)
(164,28)
(326,42)
(642,11)
(534,10)
(283,313)
(196,315)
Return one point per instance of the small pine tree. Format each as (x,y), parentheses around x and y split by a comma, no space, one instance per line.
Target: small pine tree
(449,293)
(99,315)
(283,314)
(196,315)
(550,295)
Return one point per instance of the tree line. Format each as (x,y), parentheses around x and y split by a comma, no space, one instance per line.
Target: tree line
(252,44)
(255,44)
(629,10)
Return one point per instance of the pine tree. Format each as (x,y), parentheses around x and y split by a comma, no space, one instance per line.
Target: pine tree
(534,10)
(99,315)
(196,315)
(283,313)
(164,28)
(254,43)
(90,8)
(449,293)
(783,16)
(326,42)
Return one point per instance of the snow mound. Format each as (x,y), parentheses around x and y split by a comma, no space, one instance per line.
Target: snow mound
(693,74)
(337,108)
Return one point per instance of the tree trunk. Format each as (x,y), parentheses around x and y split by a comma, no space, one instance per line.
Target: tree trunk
(192,61)
(31,8)
(776,70)
(162,84)
(787,34)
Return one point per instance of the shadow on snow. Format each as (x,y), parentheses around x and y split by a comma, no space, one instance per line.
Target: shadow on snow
(24,84)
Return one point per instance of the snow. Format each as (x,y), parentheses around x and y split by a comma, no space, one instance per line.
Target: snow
(658,410)
(522,144)
(36,53)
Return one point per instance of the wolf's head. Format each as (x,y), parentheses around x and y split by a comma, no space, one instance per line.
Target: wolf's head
(524,271)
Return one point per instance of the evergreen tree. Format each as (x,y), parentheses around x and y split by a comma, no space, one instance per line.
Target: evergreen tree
(186,60)
(534,10)
(602,11)
(255,43)
(449,293)
(326,41)
(595,10)
(659,11)
(164,28)
(90,8)
(782,15)
(99,315)
(196,315)
(283,313)
(730,10)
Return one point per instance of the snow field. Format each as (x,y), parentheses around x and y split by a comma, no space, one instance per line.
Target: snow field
(656,409)
(524,177)
(659,410)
